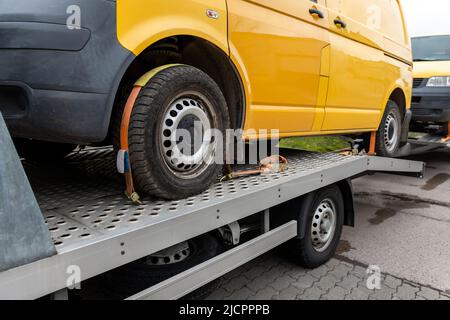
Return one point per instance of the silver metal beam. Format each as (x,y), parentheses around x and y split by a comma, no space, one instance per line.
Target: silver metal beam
(395,165)
(194,278)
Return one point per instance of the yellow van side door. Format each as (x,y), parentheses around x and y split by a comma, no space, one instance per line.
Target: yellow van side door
(280,46)
(357,83)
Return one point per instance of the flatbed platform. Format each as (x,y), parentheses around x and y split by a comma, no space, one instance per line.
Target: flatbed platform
(95,227)
(422,143)
(427,139)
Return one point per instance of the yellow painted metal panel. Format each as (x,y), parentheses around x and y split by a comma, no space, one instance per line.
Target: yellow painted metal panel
(280,44)
(142,23)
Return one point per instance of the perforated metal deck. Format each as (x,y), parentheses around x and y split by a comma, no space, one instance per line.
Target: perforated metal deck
(83,199)
(95,228)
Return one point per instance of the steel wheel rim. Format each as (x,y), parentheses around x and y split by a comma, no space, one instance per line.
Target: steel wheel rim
(323,226)
(171,255)
(183,111)
(391,130)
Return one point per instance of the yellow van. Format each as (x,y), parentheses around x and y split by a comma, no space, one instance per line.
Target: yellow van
(431,92)
(302,67)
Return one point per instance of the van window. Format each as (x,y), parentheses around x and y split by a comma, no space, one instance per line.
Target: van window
(434,48)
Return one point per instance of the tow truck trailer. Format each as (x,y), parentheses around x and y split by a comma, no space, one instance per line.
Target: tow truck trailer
(84,223)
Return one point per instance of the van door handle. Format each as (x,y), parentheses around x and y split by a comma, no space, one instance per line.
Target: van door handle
(316,13)
(339,23)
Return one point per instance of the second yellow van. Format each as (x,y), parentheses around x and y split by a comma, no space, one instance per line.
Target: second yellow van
(302,67)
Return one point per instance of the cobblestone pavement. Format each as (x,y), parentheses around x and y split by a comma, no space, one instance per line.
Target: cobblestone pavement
(272,277)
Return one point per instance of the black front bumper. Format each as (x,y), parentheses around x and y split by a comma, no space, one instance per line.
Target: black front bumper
(430,104)
(57,83)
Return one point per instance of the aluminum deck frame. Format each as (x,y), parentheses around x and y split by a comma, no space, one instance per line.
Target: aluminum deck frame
(97,229)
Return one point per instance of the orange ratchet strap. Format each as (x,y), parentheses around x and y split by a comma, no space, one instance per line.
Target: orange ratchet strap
(123,157)
(124,152)
(447,138)
(272,164)
(373,141)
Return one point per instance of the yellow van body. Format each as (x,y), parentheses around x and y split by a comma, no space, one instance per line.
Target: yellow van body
(306,67)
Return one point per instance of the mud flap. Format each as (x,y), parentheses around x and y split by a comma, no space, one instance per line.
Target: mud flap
(24,237)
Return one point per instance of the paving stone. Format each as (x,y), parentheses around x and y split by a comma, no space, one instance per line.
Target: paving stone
(383,294)
(255,272)
(406,292)
(283,268)
(312,293)
(219,294)
(358,294)
(264,294)
(268,264)
(235,273)
(320,271)
(332,263)
(305,282)
(297,272)
(359,272)
(392,282)
(349,282)
(241,294)
(282,282)
(236,283)
(427,293)
(342,269)
(263,281)
(336,293)
(290,293)
(271,278)
(327,282)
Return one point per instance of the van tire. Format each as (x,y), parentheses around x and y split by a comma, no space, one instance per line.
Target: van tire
(305,252)
(198,97)
(388,137)
(138,275)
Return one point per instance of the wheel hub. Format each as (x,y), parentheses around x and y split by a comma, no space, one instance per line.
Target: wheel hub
(174,254)
(323,225)
(391,130)
(186,136)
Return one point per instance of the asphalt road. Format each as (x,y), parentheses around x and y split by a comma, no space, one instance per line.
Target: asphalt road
(403,224)
(402,227)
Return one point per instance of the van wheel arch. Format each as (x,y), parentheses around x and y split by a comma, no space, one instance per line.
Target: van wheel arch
(188,50)
(399,97)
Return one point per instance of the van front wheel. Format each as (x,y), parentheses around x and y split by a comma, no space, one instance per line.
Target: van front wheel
(175,133)
(389,132)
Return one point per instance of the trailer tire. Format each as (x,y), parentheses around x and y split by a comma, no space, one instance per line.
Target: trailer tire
(325,210)
(42,150)
(179,97)
(139,275)
(389,134)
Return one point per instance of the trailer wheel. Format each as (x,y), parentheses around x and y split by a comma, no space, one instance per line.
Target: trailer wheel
(146,272)
(172,143)
(325,218)
(42,150)
(390,131)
